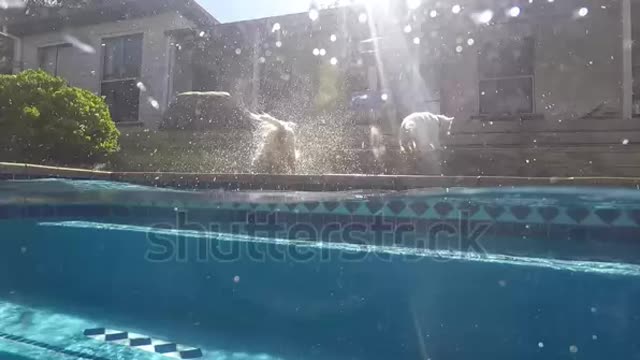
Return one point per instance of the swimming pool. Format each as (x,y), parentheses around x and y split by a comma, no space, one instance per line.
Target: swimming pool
(103,270)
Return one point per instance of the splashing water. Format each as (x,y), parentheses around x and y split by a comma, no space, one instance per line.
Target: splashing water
(76,43)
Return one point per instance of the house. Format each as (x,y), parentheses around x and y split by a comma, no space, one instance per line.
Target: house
(122,50)
(537,87)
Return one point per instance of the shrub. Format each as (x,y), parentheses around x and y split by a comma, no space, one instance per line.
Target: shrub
(43,120)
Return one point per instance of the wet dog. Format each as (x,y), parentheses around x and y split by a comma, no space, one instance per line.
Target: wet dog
(420,141)
(276,150)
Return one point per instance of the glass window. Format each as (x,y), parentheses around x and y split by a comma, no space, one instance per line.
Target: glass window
(122,57)
(505,68)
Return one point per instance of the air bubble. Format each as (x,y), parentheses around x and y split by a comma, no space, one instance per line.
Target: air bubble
(362,18)
(333,61)
(154,103)
(323,52)
(384,97)
(583,11)
(458,49)
(470,41)
(407,28)
(625,141)
(416,40)
(540,344)
(433,13)
(456,9)
(278,43)
(275,27)
(202,33)
(141,86)
(316,52)
(238,51)
(573,349)
(514,11)
(333,38)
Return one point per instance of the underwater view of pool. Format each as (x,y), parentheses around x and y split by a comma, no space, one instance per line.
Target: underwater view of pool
(100,270)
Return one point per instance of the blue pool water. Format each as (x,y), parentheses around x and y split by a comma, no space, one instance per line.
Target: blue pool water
(458,274)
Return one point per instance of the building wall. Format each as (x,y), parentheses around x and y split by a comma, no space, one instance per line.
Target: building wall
(577,63)
(86,69)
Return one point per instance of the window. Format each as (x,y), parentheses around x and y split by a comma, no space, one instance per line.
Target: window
(55,59)
(506,77)
(122,61)
(6,54)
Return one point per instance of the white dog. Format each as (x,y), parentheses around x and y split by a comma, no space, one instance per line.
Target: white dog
(420,139)
(276,151)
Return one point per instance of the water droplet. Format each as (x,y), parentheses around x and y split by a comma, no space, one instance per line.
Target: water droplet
(276,27)
(583,11)
(456,9)
(333,61)
(573,349)
(333,38)
(416,40)
(313,14)
(625,141)
(433,13)
(458,49)
(236,279)
(238,51)
(413,4)
(470,41)
(540,344)
(483,17)
(154,103)
(278,43)
(316,52)
(362,18)
(514,11)
(384,97)
(407,29)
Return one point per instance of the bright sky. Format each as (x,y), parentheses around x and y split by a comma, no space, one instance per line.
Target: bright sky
(234,10)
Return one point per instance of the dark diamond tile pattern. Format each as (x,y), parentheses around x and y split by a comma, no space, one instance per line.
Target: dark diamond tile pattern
(494,210)
(374,206)
(548,213)
(608,215)
(578,214)
(520,212)
(396,206)
(443,208)
(331,205)
(352,206)
(419,207)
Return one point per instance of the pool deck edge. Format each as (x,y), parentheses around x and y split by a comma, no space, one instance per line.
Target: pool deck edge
(328,182)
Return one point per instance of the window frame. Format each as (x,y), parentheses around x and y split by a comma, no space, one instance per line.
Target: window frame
(55,46)
(531,76)
(102,81)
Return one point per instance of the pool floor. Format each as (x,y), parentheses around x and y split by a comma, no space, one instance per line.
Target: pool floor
(32,332)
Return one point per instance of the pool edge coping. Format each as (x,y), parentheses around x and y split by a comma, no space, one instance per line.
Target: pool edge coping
(326,182)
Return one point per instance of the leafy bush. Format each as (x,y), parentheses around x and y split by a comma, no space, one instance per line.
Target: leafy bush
(43,120)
